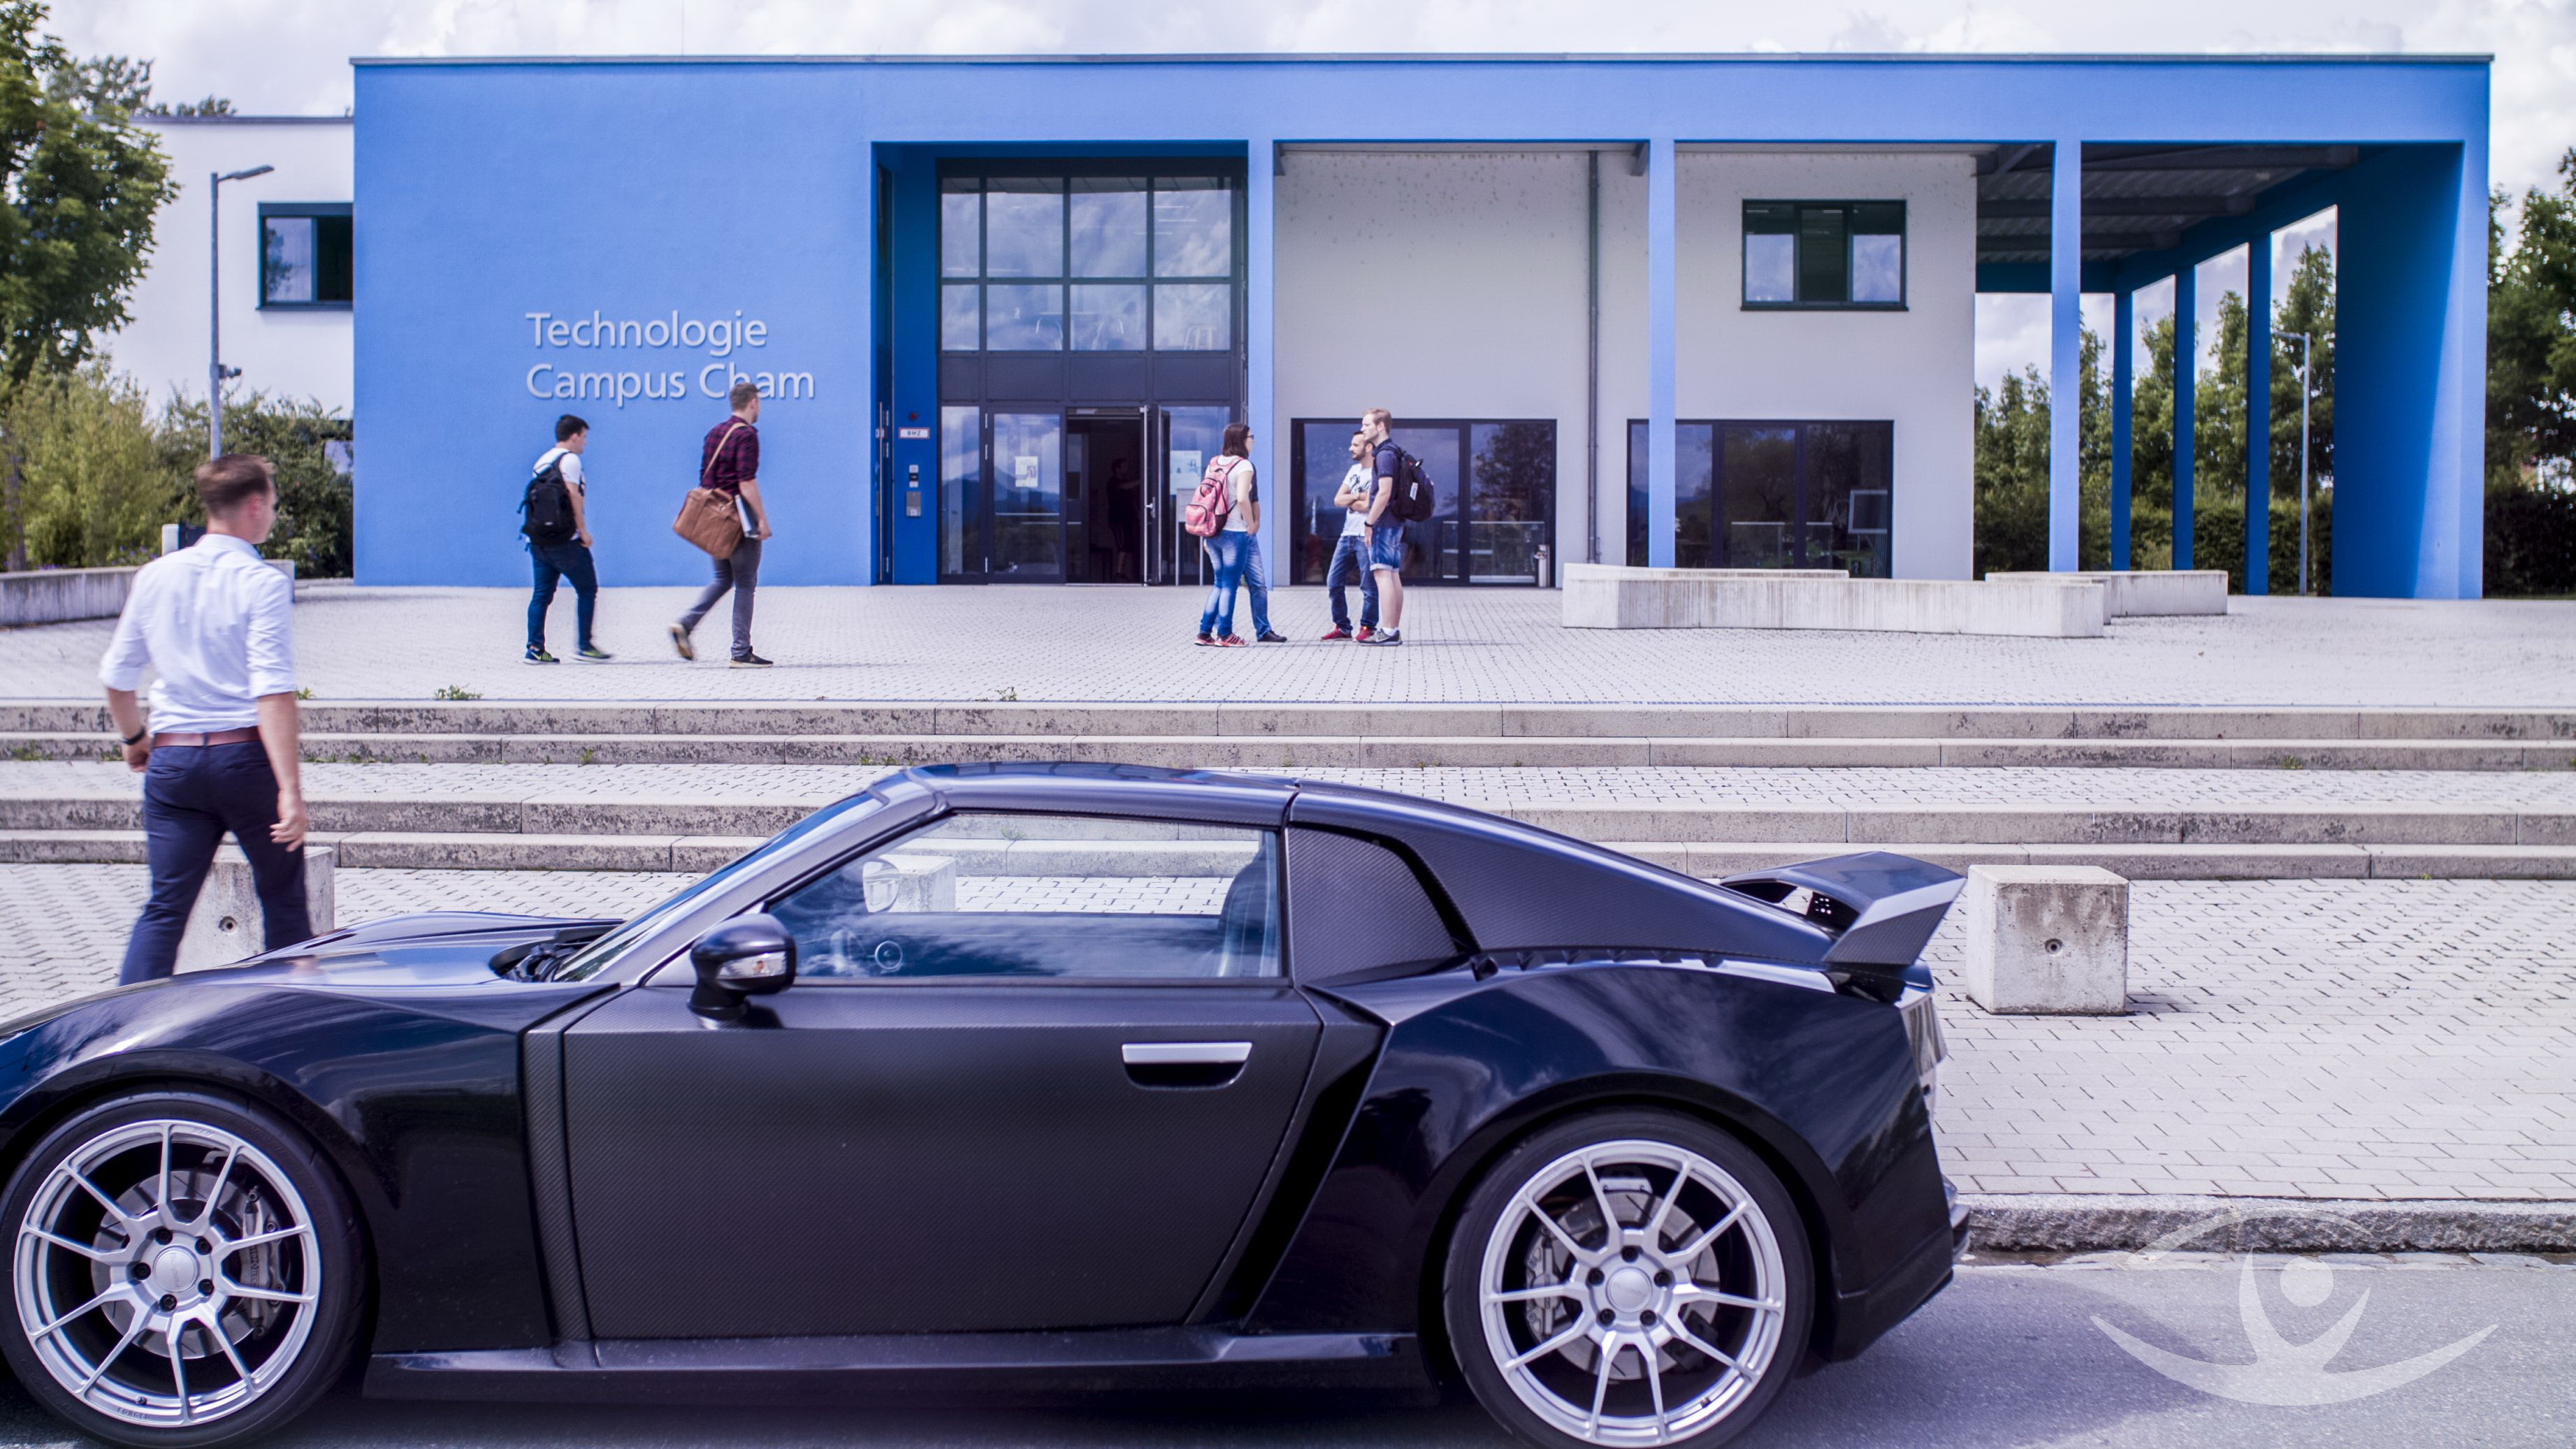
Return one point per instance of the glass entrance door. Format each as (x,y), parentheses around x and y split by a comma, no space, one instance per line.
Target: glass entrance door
(1001,496)
(1190,437)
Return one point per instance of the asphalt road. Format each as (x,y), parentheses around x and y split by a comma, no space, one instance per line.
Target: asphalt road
(2009,1355)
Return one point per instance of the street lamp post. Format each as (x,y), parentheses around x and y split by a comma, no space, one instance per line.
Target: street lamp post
(216,372)
(2304,348)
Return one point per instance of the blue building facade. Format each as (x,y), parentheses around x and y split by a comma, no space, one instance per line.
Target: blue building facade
(1001,307)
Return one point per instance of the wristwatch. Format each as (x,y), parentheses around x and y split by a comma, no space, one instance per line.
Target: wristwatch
(136,737)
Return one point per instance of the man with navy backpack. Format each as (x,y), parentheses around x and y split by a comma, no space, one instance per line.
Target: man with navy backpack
(558,532)
(1403,496)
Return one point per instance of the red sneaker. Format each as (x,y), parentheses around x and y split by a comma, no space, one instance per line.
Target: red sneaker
(1365,634)
(1232,641)
(1336,632)
(1206,639)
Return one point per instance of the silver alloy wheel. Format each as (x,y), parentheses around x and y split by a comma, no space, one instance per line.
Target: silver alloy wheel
(1632,1292)
(167,1273)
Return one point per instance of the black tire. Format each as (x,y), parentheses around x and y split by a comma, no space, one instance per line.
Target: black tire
(286,1305)
(1667,1179)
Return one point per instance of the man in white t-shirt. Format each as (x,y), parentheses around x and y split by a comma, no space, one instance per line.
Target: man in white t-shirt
(1351,550)
(559,540)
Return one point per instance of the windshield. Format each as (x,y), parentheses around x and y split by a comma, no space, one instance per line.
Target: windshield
(609,947)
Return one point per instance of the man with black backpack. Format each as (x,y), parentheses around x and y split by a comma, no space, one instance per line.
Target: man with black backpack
(559,539)
(1403,496)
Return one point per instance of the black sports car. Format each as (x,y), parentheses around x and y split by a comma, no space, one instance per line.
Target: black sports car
(1042,1077)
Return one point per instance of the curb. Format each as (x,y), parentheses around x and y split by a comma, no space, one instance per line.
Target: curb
(2110,1222)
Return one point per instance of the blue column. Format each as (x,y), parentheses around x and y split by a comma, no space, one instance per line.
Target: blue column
(2409,379)
(2124,324)
(1660,290)
(2066,350)
(2258,414)
(2186,382)
(1260,282)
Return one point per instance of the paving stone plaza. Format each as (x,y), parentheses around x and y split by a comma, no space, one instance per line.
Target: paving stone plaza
(2397,1038)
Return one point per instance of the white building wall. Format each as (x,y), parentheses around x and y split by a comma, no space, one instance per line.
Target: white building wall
(1452,285)
(299,354)
(1916,368)
(1435,285)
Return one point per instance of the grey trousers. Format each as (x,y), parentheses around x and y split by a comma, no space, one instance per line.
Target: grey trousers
(741,574)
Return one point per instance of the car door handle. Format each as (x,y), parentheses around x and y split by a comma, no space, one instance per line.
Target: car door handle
(1185,1053)
(1166,1064)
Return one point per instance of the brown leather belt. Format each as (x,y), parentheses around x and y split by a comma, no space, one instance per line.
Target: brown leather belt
(219,737)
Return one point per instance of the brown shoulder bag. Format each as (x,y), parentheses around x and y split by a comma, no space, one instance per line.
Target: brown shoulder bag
(707,515)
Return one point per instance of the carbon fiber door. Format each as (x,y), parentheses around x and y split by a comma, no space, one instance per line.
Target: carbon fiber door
(925,1155)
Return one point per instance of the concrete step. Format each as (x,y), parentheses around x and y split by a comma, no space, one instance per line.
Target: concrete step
(490,850)
(1276,752)
(1931,823)
(1344,722)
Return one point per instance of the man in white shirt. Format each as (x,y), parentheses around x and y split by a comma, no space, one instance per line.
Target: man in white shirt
(1351,551)
(222,750)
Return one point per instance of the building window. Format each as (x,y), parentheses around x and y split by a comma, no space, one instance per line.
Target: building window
(1824,254)
(305,257)
(1767,495)
(1493,504)
(1087,263)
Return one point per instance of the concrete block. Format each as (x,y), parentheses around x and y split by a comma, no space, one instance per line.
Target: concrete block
(226,925)
(1605,596)
(2144,593)
(2048,939)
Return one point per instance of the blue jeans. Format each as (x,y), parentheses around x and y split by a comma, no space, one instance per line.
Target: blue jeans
(570,562)
(1350,563)
(192,794)
(1226,556)
(1256,580)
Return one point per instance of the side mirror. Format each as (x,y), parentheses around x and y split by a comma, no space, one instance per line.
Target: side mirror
(747,956)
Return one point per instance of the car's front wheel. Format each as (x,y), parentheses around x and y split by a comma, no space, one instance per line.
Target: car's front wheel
(1628,1278)
(184,1272)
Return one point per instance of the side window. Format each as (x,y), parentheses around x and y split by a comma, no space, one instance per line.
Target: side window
(1068,896)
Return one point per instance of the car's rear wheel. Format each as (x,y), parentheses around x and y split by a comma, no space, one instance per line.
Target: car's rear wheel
(184,1271)
(1628,1278)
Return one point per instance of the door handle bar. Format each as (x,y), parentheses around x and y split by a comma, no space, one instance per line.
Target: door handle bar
(1185,1053)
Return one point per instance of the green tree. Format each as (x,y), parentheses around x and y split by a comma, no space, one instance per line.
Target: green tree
(79,185)
(96,480)
(2531,331)
(313,495)
(2308,305)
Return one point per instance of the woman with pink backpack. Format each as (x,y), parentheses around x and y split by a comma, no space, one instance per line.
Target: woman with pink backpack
(1225,515)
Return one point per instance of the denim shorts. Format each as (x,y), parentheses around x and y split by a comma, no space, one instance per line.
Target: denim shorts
(1386,545)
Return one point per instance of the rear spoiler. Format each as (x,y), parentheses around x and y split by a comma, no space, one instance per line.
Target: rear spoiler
(1881,908)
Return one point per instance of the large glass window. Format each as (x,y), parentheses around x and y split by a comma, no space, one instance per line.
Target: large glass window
(1024,317)
(1108,318)
(1193,227)
(1090,263)
(1197,317)
(1772,495)
(1023,227)
(961,228)
(1493,502)
(306,256)
(1824,254)
(990,894)
(1108,226)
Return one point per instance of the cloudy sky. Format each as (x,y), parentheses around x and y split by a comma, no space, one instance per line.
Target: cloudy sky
(288,56)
